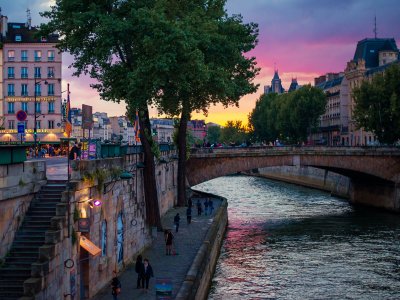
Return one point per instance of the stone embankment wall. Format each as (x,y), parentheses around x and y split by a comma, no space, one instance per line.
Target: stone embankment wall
(198,279)
(18,183)
(336,184)
(71,269)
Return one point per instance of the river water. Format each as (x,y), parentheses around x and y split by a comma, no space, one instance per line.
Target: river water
(290,242)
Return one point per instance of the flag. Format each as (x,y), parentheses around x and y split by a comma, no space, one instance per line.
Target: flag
(137,128)
(68,121)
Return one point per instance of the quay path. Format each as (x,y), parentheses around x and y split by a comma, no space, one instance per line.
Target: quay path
(187,241)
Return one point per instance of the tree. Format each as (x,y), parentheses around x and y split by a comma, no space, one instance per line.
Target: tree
(209,65)
(109,41)
(377,105)
(234,133)
(288,116)
(213,134)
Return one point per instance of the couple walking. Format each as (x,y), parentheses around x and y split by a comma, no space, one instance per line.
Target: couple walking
(144,271)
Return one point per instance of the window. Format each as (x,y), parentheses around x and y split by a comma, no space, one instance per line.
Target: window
(11,72)
(38,72)
(11,107)
(38,107)
(24,106)
(51,107)
(51,124)
(11,55)
(10,124)
(50,72)
(50,55)
(18,38)
(38,123)
(24,72)
(24,55)
(50,89)
(24,89)
(38,55)
(38,89)
(11,91)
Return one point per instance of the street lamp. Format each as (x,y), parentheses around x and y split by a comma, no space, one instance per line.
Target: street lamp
(35,117)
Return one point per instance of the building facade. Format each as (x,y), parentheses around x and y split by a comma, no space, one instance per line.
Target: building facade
(371,56)
(163,130)
(31,83)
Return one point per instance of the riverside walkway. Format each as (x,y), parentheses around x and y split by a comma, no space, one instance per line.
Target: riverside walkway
(188,241)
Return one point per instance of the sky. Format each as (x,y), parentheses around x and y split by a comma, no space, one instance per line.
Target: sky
(302,39)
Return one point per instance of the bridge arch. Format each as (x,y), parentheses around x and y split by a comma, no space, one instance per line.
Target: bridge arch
(374,173)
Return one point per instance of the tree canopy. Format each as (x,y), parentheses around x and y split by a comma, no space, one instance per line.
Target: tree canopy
(377,105)
(289,116)
(234,133)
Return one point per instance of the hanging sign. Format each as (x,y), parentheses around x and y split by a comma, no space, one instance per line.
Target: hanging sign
(88,245)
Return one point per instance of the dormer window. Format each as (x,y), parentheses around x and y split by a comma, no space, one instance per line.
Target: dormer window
(18,38)
(43,39)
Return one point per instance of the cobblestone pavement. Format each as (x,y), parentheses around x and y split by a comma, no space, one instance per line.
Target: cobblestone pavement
(187,242)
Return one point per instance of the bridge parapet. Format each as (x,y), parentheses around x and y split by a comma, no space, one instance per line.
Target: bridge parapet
(293,150)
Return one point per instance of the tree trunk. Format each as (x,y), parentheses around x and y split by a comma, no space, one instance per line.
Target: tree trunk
(182,157)
(150,187)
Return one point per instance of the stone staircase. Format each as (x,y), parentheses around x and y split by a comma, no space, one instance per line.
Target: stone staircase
(30,236)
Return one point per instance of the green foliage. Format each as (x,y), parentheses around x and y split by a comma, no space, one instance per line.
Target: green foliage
(88,178)
(288,117)
(377,105)
(234,133)
(213,134)
(21,182)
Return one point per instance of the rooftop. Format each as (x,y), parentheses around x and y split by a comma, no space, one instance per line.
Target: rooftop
(368,49)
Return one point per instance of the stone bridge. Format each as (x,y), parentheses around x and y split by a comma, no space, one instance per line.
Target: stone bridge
(374,172)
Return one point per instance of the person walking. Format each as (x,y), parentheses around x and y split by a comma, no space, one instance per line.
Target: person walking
(139,268)
(211,206)
(206,207)
(115,286)
(73,153)
(189,215)
(177,218)
(190,203)
(148,272)
(168,242)
(198,207)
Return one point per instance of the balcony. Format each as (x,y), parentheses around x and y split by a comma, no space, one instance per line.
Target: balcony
(38,59)
(24,75)
(10,76)
(51,58)
(11,58)
(51,111)
(24,58)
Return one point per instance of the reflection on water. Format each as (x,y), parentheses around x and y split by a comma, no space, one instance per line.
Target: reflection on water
(289,242)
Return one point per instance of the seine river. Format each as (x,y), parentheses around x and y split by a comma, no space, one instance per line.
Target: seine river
(290,242)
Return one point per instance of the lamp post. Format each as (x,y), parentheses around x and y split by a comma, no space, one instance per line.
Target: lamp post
(35,117)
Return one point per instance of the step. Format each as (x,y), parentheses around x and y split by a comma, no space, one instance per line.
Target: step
(35,221)
(22,259)
(39,217)
(11,294)
(38,213)
(18,272)
(34,231)
(41,204)
(24,254)
(42,209)
(28,243)
(14,283)
(18,264)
